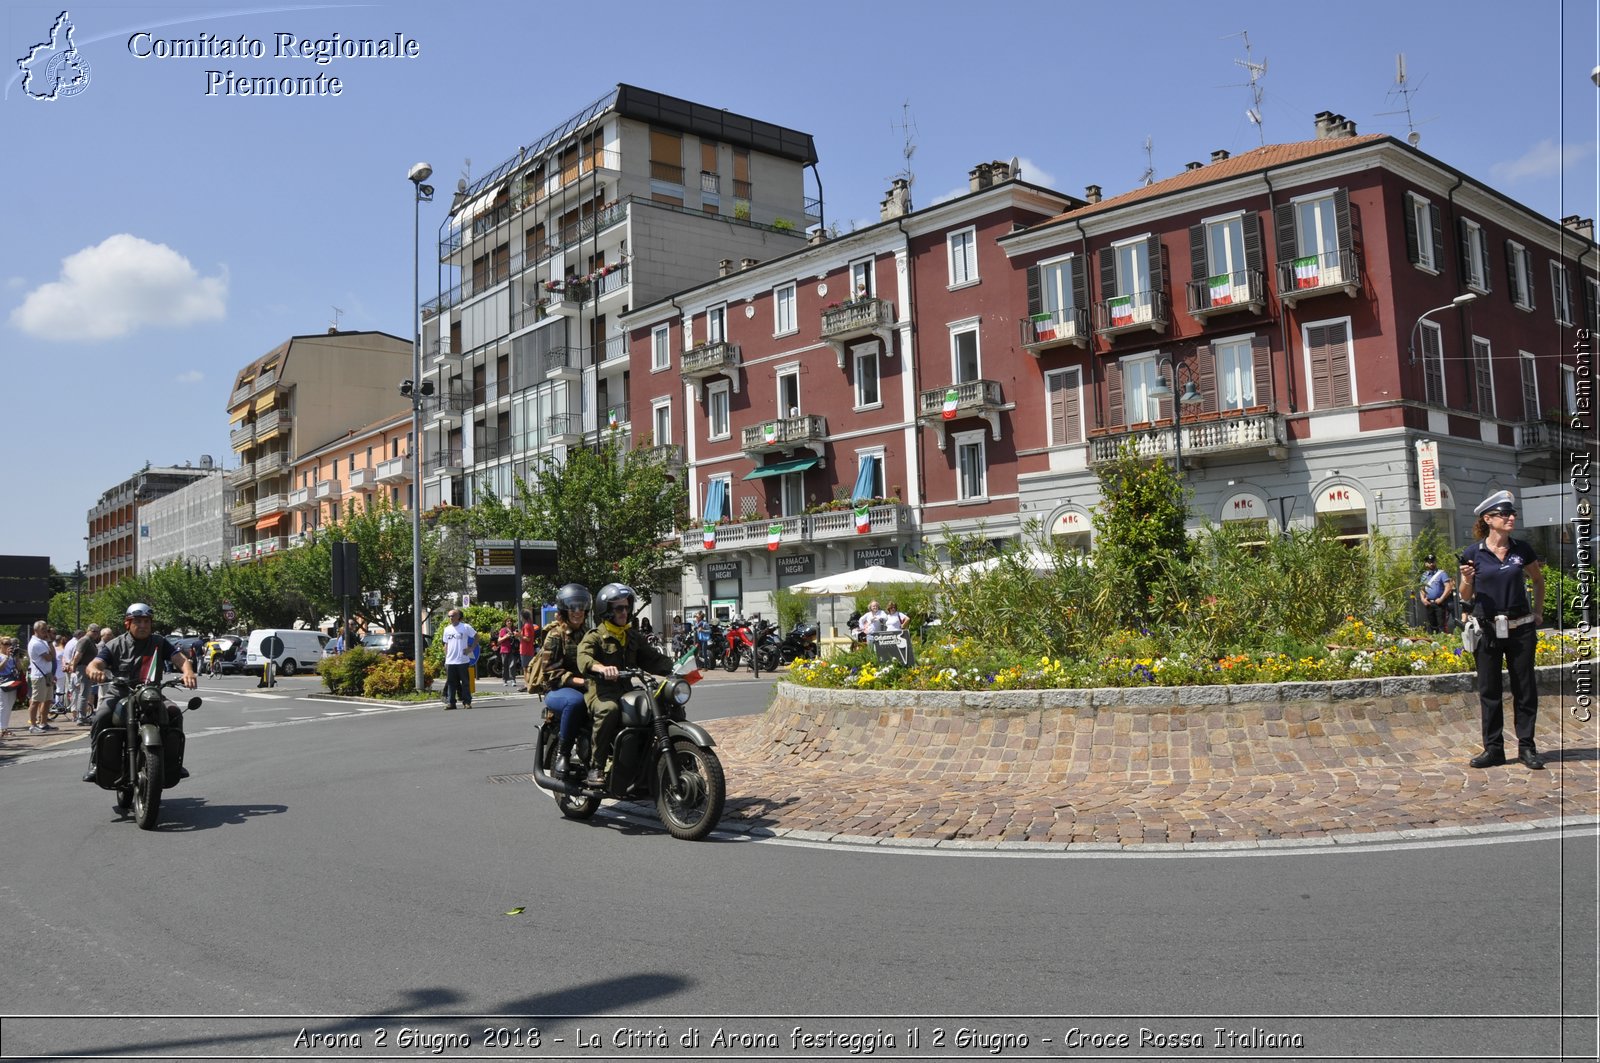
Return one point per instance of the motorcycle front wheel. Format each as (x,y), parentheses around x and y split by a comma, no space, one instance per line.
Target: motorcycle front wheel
(731,661)
(570,805)
(147,788)
(691,809)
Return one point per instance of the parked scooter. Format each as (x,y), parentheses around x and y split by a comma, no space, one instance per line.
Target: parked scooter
(141,752)
(658,755)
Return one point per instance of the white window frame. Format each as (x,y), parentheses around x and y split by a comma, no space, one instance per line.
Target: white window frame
(1072,380)
(1477,255)
(717,323)
(1322,238)
(1241,349)
(861,275)
(1139,374)
(1522,277)
(1133,275)
(966,443)
(961,254)
(1422,220)
(660,348)
(1349,356)
(1569,389)
(787,372)
(727,494)
(960,328)
(661,431)
(717,393)
(1530,381)
(1488,361)
(1424,329)
(1561,294)
(1055,287)
(1233,262)
(865,354)
(785,318)
(882,480)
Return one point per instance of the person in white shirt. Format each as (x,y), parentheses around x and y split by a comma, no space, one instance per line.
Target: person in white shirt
(894,619)
(873,620)
(459,639)
(41,679)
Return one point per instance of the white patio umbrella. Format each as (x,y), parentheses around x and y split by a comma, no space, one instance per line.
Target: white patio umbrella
(1039,562)
(855,581)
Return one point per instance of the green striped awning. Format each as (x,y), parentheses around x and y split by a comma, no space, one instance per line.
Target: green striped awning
(781,467)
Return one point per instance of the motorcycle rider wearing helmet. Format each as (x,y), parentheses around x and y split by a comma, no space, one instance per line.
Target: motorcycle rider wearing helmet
(564,685)
(135,656)
(613,644)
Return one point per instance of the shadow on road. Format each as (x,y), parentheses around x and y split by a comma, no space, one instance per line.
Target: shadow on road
(179,814)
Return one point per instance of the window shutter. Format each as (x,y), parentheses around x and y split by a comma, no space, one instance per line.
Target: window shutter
(1341,218)
(1287,245)
(1034,302)
(1199,263)
(1527,279)
(1261,369)
(1432,368)
(1108,273)
(1114,412)
(1436,223)
(1339,365)
(1464,247)
(1158,265)
(1483,259)
(1317,356)
(1080,281)
(1413,248)
(1514,275)
(1055,387)
(1206,372)
(1071,403)
(1164,406)
(1252,240)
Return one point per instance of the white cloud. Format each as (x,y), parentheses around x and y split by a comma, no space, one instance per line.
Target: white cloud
(1545,159)
(193,376)
(119,286)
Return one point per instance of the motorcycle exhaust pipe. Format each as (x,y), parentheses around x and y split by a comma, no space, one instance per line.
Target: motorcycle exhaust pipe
(550,782)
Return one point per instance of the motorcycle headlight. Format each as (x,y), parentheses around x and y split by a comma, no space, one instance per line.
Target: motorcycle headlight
(678,691)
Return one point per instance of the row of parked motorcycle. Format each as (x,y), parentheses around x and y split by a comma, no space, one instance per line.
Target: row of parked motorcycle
(754,642)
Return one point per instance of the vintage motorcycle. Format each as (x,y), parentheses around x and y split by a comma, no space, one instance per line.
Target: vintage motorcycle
(741,647)
(658,755)
(710,642)
(140,753)
(799,644)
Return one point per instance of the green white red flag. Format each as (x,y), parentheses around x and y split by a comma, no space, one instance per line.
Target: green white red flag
(1221,290)
(1307,272)
(774,536)
(863,519)
(710,537)
(950,399)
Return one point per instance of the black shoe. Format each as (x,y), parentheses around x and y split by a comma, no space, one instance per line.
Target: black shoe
(183,773)
(447,708)
(559,768)
(89,776)
(1489,758)
(1530,758)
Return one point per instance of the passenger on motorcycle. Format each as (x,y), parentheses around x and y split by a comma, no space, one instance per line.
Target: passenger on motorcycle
(564,685)
(613,644)
(135,656)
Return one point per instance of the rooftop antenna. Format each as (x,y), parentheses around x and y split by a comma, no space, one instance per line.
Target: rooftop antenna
(337,314)
(1148,177)
(908,131)
(1405,90)
(1257,72)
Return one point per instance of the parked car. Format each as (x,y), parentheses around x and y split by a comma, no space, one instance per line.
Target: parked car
(298,650)
(394,643)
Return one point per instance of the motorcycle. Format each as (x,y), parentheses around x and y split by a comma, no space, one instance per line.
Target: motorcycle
(141,752)
(658,755)
(768,647)
(741,647)
(799,644)
(709,644)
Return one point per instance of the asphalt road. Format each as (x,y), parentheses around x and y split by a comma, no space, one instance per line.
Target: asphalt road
(328,860)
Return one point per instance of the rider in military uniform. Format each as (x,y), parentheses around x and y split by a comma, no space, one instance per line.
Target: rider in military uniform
(613,644)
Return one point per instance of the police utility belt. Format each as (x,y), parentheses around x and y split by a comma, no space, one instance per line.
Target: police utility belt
(1500,624)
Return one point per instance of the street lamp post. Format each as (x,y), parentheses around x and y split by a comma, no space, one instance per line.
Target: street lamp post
(77,596)
(1189,397)
(1461,300)
(415,389)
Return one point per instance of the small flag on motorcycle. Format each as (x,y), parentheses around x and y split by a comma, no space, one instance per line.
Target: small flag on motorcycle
(687,669)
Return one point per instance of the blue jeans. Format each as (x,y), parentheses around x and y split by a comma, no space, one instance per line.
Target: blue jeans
(569,703)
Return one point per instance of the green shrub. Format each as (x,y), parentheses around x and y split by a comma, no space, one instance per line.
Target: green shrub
(393,676)
(346,672)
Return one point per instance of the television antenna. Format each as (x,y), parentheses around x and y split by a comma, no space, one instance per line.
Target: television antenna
(1148,177)
(1257,93)
(1405,91)
(907,128)
(337,314)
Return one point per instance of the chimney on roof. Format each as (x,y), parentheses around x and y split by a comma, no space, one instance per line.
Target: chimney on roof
(1332,126)
(1091,193)
(1323,120)
(1584,227)
(1000,171)
(980,176)
(1219,155)
(819,236)
(725,267)
(746,263)
(1346,128)
(897,202)
(1193,165)
(332,331)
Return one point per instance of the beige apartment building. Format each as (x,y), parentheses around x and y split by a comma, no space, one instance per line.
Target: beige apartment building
(351,471)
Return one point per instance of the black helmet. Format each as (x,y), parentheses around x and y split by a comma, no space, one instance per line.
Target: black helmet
(612,593)
(573,596)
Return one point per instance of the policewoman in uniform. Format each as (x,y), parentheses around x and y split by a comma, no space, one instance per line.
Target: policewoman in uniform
(1495,573)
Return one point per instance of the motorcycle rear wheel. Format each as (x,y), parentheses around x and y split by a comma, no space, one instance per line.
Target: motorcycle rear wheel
(572,806)
(731,661)
(692,809)
(147,788)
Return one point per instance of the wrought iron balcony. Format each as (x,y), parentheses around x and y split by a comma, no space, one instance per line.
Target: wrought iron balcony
(1132,312)
(613,415)
(441,349)
(614,353)
(564,428)
(449,403)
(1311,275)
(1236,435)
(785,433)
(1056,328)
(1227,293)
(447,462)
(709,359)
(565,363)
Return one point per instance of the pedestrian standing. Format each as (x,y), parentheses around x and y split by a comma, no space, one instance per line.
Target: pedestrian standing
(1436,591)
(460,641)
(528,642)
(87,647)
(11,682)
(41,678)
(507,643)
(1495,574)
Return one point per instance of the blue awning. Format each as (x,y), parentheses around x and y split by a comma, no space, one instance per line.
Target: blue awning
(781,467)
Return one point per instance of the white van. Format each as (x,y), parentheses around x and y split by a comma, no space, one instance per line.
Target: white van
(298,651)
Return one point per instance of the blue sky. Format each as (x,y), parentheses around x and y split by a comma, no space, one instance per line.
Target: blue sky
(157,238)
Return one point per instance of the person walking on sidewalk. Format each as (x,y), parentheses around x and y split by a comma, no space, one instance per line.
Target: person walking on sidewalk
(1495,573)
(41,679)
(459,642)
(506,643)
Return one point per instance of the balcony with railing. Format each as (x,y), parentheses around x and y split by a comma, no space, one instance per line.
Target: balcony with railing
(239,394)
(939,407)
(242,514)
(270,422)
(669,454)
(748,535)
(566,299)
(709,359)
(327,490)
(449,403)
(564,428)
(1132,312)
(858,320)
(244,474)
(785,433)
(242,553)
(710,182)
(1227,293)
(241,438)
(565,363)
(271,544)
(271,505)
(441,350)
(365,480)
(1066,327)
(1541,439)
(613,415)
(1233,435)
(611,282)
(445,462)
(890,518)
(266,381)
(272,463)
(393,470)
(614,353)
(1311,275)
(299,498)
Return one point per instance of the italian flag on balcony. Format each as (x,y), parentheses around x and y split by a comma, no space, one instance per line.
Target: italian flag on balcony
(769,432)
(950,399)
(774,536)
(1221,290)
(710,537)
(1307,272)
(1121,310)
(1044,326)
(863,519)
(611,418)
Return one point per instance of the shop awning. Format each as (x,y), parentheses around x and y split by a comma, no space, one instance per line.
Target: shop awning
(270,522)
(782,467)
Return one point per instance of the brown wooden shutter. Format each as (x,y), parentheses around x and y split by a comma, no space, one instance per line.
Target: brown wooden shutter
(1078,264)
(1108,273)
(1533,299)
(1464,250)
(1158,264)
(1413,238)
(1205,363)
(1512,273)
(1484,245)
(1071,405)
(1287,245)
(1114,411)
(1199,264)
(1339,365)
(1261,370)
(1054,387)
(1317,356)
(1436,224)
(1342,218)
(1035,304)
(1252,240)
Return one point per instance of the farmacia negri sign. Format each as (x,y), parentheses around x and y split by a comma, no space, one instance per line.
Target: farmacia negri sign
(321,51)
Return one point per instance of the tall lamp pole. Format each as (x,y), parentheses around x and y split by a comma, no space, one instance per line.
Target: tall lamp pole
(1461,300)
(1190,397)
(415,389)
(77,594)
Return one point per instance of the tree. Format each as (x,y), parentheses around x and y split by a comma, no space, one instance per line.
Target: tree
(186,597)
(261,594)
(612,513)
(1142,541)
